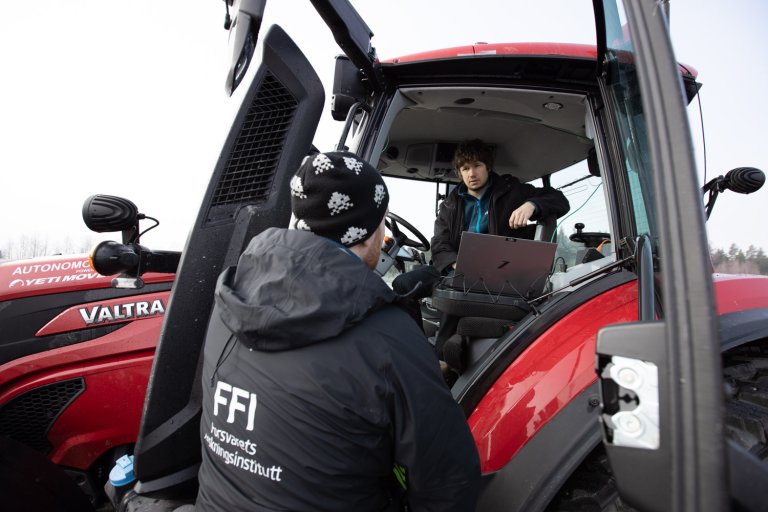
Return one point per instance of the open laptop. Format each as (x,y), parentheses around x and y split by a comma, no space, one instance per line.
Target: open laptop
(501,265)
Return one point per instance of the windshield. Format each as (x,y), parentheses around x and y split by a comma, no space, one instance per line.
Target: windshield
(630,122)
(589,214)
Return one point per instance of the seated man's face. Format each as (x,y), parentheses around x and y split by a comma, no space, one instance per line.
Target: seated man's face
(474,174)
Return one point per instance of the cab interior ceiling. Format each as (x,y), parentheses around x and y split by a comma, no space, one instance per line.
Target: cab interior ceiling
(530,140)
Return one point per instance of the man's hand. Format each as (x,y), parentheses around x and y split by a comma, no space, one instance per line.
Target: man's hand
(519,217)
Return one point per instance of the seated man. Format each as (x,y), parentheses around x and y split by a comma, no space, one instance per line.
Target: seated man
(485,202)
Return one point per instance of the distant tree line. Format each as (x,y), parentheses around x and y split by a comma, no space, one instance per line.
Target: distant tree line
(735,261)
(32,246)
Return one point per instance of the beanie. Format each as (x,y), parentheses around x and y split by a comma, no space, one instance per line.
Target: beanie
(339,196)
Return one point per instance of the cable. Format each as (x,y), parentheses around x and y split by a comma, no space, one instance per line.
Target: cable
(557,226)
(157,223)
(703,136)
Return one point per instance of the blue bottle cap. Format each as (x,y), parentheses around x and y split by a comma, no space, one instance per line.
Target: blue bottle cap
(122,473)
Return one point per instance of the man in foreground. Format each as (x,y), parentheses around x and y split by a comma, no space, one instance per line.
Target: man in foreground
(319,392)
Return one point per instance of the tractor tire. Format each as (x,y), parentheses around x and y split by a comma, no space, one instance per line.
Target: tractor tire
(591,488)
(745,371)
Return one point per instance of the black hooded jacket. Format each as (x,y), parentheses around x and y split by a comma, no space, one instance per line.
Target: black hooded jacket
(318,390)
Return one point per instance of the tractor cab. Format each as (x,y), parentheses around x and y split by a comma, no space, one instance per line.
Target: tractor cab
(629,284)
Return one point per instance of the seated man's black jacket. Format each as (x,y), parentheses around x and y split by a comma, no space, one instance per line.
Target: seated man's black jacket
(507,194)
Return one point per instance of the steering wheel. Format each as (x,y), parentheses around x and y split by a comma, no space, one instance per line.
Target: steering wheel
(393,253)
(589,239)
(394,221)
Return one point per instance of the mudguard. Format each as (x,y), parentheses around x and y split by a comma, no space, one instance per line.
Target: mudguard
(537,472)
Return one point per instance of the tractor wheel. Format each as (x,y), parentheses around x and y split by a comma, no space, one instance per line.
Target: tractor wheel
(591,488)
(745,371)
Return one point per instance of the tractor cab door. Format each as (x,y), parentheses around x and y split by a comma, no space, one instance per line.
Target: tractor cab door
(248,192)
(660,377)
(349,30)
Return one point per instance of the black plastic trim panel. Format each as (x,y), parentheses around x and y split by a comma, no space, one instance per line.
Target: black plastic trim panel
(169,437)
(473,385)
(743,327)
(537,472)
(28,417)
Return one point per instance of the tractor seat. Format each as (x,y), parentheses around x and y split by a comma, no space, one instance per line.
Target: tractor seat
(474,336)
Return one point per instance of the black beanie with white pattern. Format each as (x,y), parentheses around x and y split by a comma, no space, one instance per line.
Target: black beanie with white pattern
(339,196)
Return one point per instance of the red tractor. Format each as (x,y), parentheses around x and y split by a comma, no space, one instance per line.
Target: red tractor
(636,377)
(76,351)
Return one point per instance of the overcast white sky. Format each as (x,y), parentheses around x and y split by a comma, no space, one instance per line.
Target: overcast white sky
(127,98)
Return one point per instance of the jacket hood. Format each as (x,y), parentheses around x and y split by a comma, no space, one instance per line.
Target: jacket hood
(292,288)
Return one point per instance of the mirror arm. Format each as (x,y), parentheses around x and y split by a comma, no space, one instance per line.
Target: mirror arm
(348,124)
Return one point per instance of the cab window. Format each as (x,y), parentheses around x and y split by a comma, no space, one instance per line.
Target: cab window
(624,92)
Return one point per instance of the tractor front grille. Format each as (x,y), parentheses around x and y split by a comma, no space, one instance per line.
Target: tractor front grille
(28,417)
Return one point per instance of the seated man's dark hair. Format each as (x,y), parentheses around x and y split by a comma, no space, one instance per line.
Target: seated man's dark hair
(472,151)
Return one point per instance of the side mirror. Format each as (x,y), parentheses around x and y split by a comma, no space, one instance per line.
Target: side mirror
(744,180)
(243,35)
(348,88)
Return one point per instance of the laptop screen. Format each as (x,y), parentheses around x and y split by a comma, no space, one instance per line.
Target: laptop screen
(502,266)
